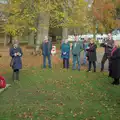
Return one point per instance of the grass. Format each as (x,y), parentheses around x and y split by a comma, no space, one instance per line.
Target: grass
(60,95)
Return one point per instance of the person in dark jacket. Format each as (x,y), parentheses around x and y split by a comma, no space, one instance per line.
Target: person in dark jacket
(46,51)
(108,45)
(16,62)
(76,49)
(91,55)
(65,53)
(115,64)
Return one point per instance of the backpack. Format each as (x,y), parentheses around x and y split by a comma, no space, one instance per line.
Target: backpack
(2,82)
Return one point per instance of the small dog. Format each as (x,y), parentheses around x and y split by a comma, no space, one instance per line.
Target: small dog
(53,51)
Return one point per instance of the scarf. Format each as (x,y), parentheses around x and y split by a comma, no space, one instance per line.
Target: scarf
(113,50)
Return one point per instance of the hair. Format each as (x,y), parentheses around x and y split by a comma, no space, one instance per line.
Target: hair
(15,42)
(93,40)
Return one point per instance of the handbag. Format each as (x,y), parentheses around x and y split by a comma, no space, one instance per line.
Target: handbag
(12,62)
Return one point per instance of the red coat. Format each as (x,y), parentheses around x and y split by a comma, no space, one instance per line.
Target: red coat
(2,82)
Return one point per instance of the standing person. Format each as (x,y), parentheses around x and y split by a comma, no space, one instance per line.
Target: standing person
(46,51)
(65,53)
(76,49)
(115,64)
(108,45)
(91,55)
(16,62)
(85,46)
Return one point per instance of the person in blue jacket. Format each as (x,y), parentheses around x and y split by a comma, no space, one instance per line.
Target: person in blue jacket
(65,53)
(16,62)
(46,51)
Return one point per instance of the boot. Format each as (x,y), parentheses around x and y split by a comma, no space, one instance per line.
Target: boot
(116,82)
(13,76)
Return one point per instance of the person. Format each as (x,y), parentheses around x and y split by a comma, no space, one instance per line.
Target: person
(76,49)
(115,64)
(46,51)
(85,46)
(16,61)
(91,55)
(65,53)
(108,45)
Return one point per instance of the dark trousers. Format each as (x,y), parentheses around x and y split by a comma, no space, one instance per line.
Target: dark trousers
(15,74)
(65,63)
(90,64)
(105,57)
(44,60)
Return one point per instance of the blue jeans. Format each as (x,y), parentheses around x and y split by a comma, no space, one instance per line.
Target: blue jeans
(76,59)
(49,61)
(84,59)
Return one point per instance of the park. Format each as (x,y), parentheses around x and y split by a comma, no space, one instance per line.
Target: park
(56,93)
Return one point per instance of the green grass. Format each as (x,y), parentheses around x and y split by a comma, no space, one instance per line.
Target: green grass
(60,95)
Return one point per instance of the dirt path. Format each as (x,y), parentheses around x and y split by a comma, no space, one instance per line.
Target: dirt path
(30,61)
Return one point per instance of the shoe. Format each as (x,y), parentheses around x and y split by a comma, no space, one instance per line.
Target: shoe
(78,69)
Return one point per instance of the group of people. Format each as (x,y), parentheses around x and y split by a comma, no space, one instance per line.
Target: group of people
(112,53)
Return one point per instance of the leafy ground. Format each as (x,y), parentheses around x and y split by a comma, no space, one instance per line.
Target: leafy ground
(60,95)
(57,94)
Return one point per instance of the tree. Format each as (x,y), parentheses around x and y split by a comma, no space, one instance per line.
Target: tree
(105,13)
(45,13)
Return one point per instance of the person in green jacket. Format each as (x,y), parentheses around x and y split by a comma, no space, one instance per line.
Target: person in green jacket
(76,49)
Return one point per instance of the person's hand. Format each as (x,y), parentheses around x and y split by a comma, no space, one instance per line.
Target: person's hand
(15,54)
(19,54)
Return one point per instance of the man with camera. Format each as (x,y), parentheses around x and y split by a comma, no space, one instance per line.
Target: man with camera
(108,46)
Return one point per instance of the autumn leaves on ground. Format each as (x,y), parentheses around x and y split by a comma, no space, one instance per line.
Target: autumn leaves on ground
(57,94)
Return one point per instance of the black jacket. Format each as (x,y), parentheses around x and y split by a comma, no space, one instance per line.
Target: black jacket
(115,64)
(91,54)
(108,45)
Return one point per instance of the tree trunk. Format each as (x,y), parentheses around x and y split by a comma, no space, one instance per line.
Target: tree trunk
(31,39)
(5,40)
(65,29)
(43,29)
(65,33)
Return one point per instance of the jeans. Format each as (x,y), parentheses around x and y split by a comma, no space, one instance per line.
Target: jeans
(49,61)
(65,63)
(84,59)
(94,65)
(76,59)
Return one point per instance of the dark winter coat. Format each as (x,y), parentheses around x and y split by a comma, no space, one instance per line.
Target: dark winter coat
(46,48)
(108,45)
(17,62)
(115,64)
(91,54)
(65,50)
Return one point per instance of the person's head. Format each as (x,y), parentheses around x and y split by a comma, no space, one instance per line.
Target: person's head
(76,38)
(85,39)
(91,41)
(116,44)
(66,41)
(15,43)
(110,36)
(46,39)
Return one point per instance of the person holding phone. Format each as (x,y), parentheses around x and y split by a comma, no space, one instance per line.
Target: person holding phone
(16,61)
